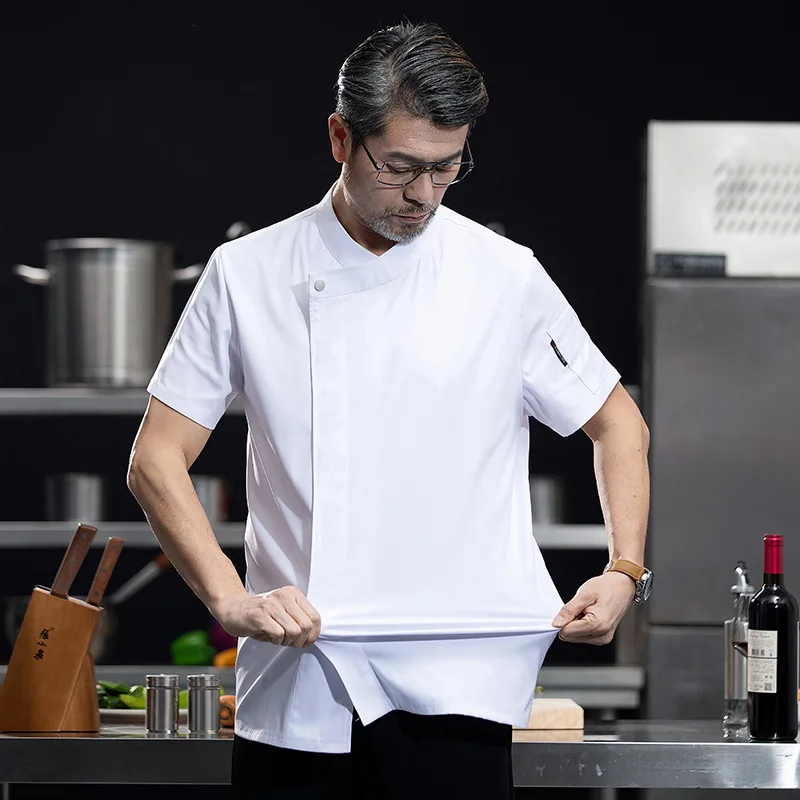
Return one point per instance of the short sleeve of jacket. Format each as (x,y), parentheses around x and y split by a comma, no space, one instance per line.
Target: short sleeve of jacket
(566,379)
(200,371)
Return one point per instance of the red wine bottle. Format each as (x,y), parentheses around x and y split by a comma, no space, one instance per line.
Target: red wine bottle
(772,675)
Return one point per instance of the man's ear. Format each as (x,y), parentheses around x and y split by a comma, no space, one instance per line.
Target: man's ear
(341,138)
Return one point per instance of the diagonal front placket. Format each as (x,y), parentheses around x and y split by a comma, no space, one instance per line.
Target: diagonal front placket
(329,439)
(334,297)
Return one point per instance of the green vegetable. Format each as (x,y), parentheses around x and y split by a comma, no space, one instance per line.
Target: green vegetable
(120,695)
(192,649)
(129,701)
(109,687)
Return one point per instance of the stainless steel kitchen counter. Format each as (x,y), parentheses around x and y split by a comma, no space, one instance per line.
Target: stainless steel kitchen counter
(656,754)
(621,754)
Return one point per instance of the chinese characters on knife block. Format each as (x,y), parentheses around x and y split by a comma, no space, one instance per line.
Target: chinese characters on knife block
(50,679)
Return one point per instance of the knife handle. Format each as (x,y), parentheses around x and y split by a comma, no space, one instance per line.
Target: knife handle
(73,558)
(107,563)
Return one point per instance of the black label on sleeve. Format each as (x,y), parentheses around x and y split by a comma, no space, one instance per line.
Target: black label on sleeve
(558,353)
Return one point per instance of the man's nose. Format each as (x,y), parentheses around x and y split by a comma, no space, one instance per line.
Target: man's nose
(420,191)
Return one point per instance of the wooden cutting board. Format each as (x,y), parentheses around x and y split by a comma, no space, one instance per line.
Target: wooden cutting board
(553,719)
(555,713)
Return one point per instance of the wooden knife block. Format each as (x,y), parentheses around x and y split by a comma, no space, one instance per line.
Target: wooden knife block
(50,681)
(83,712)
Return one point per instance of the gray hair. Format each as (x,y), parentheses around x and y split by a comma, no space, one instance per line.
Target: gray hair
(412,69)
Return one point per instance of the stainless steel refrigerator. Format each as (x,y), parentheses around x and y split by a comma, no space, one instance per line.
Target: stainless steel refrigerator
(721,387)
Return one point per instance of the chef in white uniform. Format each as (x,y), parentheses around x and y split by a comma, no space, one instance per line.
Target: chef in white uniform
(389,352)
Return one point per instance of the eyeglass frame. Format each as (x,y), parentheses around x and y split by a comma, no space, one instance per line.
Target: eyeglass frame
(428,166)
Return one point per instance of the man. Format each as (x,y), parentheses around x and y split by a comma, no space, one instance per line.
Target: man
(388,352)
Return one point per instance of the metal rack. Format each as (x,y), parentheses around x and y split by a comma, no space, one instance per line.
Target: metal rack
(231,534)
(80,400)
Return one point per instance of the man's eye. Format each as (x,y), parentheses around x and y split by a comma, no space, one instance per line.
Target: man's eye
(399,169)
(444,168)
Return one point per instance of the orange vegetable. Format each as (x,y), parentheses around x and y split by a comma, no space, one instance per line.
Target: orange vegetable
(227,710)
(225,658)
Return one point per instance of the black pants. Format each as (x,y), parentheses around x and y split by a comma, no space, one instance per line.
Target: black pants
(400,756)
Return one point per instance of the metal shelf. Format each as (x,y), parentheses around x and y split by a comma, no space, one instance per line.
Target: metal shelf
(231,534)
(79,400)
(135,534)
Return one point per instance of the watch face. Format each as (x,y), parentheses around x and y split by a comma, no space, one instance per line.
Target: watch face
(646,586)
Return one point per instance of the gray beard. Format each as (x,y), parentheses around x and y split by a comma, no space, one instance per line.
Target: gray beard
(394,230)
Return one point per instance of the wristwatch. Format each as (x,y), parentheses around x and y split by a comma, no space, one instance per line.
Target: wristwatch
(642,577)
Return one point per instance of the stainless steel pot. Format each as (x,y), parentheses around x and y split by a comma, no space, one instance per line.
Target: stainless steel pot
(212,491)
(75,497)
(547,499)
(109,307)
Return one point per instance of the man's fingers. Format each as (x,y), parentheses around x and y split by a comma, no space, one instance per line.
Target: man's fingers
(291,627)
(287,618)
(593,614)
(312,615)
(270,621)
(305,627)
(572,609)
(576,630)
(298,626)
(271,631)
(587,629)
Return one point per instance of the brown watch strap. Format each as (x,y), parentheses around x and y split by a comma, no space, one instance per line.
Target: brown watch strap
(628,567)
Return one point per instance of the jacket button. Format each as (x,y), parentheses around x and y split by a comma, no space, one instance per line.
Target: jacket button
(319,285)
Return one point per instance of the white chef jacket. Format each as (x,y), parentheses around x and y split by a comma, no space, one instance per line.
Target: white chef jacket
(387,401)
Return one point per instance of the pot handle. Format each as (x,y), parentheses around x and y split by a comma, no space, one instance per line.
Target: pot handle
(38,275)
(188,274)
(237,229)
(193,272)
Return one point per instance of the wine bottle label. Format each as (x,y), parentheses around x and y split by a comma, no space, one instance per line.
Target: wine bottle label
(762,644)
(762,661)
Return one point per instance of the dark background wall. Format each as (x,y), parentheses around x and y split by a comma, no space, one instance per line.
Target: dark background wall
(170,121)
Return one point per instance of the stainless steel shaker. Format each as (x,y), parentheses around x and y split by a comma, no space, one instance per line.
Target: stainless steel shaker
(161,705)
(203,703)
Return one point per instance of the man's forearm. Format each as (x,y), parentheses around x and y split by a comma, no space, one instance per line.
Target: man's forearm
(164,490)
(623,484)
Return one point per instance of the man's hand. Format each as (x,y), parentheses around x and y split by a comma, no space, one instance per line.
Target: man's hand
(593,614)
(283,616)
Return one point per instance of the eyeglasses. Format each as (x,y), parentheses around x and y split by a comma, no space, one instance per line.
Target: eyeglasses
(401,173)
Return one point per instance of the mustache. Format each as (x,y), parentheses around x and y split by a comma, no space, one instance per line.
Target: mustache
(415,211)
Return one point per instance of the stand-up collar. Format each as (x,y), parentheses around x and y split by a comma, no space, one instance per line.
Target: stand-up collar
(350,253)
